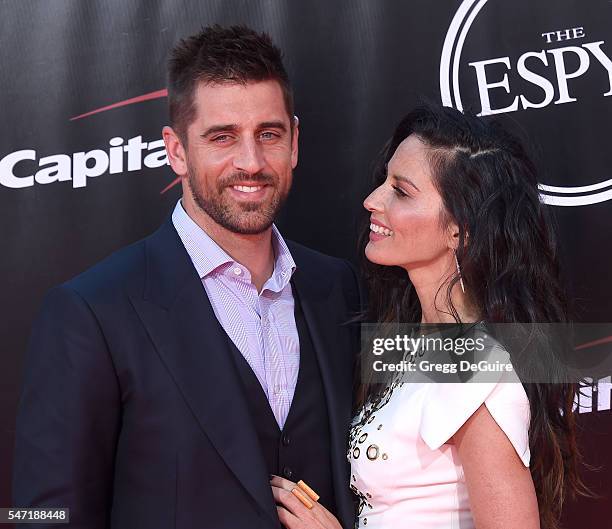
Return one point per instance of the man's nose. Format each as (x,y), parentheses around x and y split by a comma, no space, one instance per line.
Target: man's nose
(249,157)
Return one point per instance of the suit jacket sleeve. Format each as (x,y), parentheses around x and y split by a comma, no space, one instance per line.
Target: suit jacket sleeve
(69,415)
(357,302)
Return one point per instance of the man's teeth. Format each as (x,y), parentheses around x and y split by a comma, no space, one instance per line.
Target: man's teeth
(379,229)
(247,189)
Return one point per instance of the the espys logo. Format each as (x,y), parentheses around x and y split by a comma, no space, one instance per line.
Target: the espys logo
(24,168)
(562,64)
(593,395)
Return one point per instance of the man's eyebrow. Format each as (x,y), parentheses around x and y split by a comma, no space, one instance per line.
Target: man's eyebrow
(232,127)
(406,180)
(219,128)
(273,125)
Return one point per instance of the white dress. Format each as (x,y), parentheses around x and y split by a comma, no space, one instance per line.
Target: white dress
(402,469)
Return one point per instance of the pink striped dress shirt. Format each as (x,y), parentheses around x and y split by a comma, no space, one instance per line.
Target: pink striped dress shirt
(261,325)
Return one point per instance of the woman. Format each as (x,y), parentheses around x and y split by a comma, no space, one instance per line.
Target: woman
(458,235)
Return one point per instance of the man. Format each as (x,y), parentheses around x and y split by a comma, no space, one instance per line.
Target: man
(165,385)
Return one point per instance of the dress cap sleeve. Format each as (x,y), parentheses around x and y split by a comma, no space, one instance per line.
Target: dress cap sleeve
(447,406)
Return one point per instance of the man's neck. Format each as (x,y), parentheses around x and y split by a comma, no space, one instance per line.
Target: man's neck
(255,252)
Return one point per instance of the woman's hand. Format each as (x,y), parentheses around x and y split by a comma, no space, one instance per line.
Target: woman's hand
(293,514)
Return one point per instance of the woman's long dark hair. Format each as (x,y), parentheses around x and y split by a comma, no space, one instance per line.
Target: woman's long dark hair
(509,266)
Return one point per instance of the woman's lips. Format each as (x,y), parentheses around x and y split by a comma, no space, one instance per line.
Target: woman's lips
(378,223)
(379,231)
(374,237)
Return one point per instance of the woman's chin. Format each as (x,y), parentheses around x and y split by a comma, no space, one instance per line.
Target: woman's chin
(378,256)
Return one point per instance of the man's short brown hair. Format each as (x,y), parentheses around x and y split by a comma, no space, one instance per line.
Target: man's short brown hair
(236,54)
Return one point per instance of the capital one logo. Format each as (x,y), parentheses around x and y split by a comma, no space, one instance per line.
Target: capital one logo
(573,56)
(26,168)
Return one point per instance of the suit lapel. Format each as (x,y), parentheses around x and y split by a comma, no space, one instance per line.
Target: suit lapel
(195,349)
(314,293)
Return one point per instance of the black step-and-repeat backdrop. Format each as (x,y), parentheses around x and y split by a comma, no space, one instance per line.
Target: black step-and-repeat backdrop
(83,170)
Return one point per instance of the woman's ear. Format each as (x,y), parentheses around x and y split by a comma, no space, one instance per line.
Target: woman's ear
(453,236)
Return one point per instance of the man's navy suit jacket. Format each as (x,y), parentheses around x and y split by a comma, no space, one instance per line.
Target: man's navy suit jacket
(132,413)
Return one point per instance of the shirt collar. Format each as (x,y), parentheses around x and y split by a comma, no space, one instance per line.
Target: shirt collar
(207,256)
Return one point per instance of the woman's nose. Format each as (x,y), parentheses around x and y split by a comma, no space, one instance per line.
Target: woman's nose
(373,201)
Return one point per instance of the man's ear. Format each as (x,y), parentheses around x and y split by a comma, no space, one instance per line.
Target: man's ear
(295,132)
(175,150)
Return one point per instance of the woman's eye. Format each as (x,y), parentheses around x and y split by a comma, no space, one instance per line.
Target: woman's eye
(399,192)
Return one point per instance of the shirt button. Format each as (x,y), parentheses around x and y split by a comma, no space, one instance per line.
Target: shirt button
(237,271)
(285,439)
(287,472)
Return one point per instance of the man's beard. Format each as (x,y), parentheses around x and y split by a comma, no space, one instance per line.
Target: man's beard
(244,218)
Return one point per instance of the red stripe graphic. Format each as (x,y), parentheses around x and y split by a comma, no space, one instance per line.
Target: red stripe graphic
(158,94)
(170,185)
(601,341)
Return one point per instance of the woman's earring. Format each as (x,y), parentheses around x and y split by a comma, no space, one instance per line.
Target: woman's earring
(459,273)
